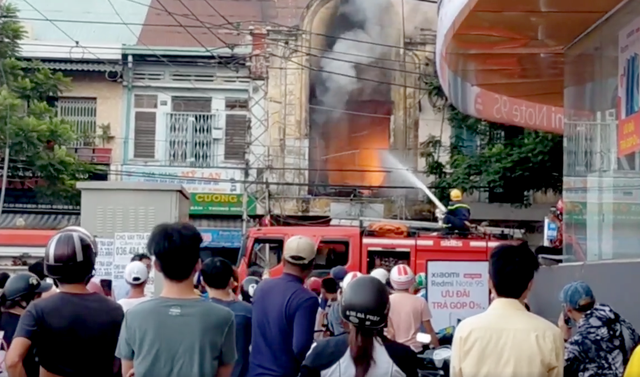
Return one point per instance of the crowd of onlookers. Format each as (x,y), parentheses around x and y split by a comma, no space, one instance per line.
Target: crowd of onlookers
(59,321)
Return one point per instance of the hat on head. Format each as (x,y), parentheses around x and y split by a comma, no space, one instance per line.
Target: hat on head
(577,294)
(339,273)
(299,250)
(136,273)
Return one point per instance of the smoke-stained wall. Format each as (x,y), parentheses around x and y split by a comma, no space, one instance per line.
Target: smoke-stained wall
(354,70)
(291,130)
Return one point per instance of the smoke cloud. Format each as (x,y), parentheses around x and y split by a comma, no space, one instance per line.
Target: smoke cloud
(361,28)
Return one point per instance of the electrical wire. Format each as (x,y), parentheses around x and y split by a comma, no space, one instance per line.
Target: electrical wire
(67,34)
(205,48)
(346,75)
(98,22)
(196,39)
(115,10)
(218,13)
(116,173)
(207,90)
(290,28)
(196,17)
(360,63)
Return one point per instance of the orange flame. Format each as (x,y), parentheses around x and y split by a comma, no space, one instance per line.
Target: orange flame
(354,142)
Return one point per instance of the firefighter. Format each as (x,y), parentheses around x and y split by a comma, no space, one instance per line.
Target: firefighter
(458,214)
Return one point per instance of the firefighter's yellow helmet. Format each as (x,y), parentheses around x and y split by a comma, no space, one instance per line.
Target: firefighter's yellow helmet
(456,195)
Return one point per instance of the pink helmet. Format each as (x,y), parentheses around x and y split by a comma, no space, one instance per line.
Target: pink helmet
(349,278)
(401,277)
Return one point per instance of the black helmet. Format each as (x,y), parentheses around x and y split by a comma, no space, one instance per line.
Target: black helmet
(79,229)
(23,286)
(365,303)
(71,253)
(248,288)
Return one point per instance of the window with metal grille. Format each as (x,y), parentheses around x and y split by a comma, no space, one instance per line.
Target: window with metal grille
(144,132)
(81,113)
(235,137)
(190,132)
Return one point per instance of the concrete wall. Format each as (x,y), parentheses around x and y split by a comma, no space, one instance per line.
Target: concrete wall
(613,282)
(109,103)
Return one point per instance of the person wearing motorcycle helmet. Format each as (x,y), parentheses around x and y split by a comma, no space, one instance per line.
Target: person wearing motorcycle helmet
(74,332)
(380,274)
(20,290)
(219,280)
(364,351)
(409,313)
(248,288)
(314,284)
(335,322)
(421,281)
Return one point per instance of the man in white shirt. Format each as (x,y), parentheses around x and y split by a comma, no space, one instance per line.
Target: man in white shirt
(120,288)
(136,275)
(508,340)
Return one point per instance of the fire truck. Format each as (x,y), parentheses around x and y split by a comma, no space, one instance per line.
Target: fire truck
(352,244)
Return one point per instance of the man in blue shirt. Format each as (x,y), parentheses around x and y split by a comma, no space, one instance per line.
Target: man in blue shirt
(284,314)
(217,275)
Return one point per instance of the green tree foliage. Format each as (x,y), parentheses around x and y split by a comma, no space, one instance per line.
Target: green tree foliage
(506,160)
(36,136)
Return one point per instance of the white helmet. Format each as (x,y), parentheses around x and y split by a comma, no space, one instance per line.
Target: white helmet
(380,274)
(349,278)
(402,278)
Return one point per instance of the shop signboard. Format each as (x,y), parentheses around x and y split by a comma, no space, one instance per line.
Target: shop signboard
(226,181)
(220,204)
(229,238)
(104,260)
(456,290)
(125,246)
(629,88)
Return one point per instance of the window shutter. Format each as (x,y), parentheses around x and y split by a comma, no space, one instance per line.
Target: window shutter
(235,138)
(144,140)
(81,113)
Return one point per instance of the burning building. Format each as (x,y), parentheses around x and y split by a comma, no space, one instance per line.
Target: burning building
(350,99)
(344,90)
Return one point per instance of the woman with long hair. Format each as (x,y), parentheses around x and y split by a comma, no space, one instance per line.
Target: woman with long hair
(364,351)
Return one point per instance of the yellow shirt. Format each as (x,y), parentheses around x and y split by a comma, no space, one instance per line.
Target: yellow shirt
(506,340)
(633,367)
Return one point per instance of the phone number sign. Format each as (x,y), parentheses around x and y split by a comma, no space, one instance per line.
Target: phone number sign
(456,290)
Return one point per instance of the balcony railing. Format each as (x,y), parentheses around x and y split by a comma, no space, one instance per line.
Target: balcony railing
(193,139)
(94,155)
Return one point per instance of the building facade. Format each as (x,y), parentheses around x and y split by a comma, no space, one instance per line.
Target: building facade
(578,77)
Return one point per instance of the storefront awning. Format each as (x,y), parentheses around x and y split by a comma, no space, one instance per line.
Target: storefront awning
(502,60)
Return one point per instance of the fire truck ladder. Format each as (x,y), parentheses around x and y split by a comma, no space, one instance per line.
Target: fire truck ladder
(425,225)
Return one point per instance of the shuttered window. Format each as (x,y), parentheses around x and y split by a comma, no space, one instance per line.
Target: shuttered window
(81,113)
(144,139)
(235,138)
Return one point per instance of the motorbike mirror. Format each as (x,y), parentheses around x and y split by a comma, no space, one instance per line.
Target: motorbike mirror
(423,338)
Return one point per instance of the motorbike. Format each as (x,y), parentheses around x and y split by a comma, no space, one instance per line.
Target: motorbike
(435,362)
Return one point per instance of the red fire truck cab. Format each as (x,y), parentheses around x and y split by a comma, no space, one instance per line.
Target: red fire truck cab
(348,243)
